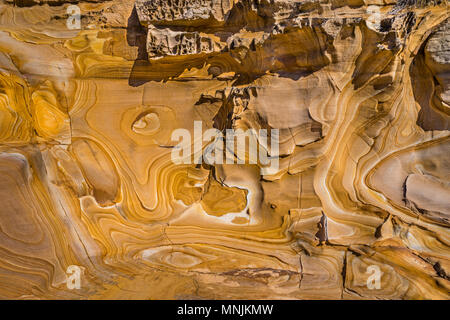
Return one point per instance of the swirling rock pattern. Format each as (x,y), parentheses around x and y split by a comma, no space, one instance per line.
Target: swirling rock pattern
(358,89)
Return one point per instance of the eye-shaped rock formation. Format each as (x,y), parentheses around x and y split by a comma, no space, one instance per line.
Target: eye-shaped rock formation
(357,89)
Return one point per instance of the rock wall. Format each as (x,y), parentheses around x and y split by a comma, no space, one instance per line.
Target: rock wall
(358,89)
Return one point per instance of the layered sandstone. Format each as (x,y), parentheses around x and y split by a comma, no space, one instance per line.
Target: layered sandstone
(358,89)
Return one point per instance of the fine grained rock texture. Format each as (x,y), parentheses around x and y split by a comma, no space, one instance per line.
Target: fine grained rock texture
(358,89)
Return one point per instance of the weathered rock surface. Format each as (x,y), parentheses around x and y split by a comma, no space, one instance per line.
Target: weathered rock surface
(358,89)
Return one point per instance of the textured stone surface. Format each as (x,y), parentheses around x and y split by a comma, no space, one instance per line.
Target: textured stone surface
(359,91)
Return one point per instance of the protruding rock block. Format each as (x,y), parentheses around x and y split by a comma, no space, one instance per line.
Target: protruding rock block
(154,11)
(166,42)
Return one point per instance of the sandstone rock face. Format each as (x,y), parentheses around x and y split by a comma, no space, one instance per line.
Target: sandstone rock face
(161,11)
(359,91)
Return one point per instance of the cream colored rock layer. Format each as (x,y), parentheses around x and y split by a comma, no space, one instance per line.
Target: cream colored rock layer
(86,176)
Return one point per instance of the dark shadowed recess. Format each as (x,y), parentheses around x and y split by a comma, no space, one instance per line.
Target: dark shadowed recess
(426,93)
(257,59)
(166,68)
